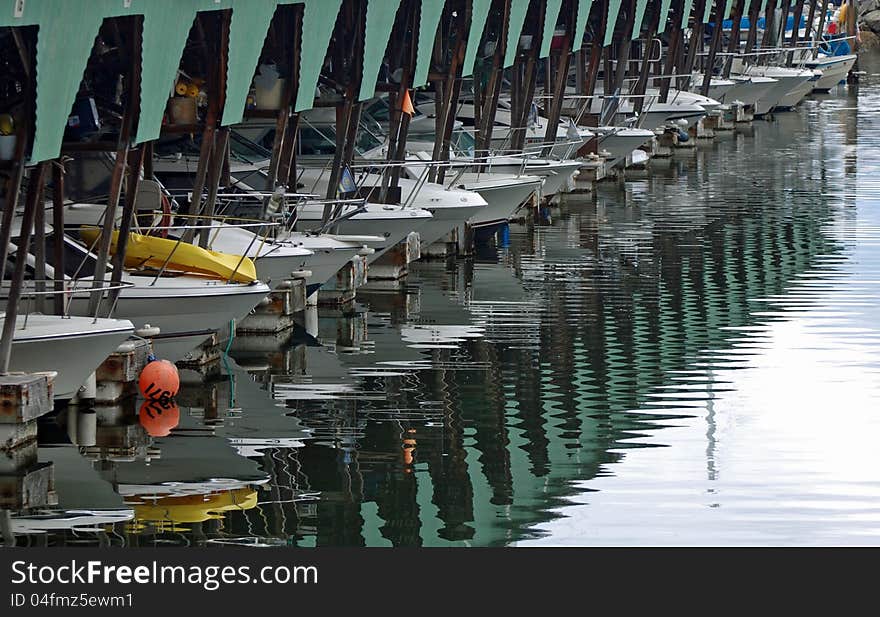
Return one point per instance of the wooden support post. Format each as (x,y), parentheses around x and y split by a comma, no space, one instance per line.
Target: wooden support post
(672,51)
(735,36)
(596,52)
(348,71)
(820,28)
(694,43)
(798,12)
(560,78)
(450,88)
(32,202)
(221,141)
(752,36)
(525,70)
(492,91)
(135,164)
(217,57)
(708,69)
(645,66)
(132,91)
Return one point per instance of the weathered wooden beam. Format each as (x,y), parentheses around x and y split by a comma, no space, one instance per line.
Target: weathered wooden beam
(709,67)
(694,43)
(673,51)
(645,66)
(492,90)
(820,28)
(32,202)
(560,78)
(735,37)
(132,89)
(135,165)
(447,89)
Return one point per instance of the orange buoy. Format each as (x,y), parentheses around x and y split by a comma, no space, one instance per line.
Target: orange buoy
(159,417)
(159,380)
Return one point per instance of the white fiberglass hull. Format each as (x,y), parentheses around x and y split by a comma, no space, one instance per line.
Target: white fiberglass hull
(749,90)
(787,80)
(620,143)
(391,222)
(73,347)
(834,70)
(503,194)
(186,309)
(797,94)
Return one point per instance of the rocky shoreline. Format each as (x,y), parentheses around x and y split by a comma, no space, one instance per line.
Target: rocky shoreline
(869,25)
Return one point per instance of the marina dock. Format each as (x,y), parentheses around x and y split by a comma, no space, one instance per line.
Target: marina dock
(416,272)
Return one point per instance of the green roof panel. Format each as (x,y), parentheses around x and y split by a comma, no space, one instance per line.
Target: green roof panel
(429,19)
(551,16)
(641,5)
(664,16)
(583,16)
(250,19)
(613,11)
(380,23)
(518,11)
(479,14)
(319,18)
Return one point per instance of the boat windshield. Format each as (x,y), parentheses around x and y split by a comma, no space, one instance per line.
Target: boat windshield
(320,140)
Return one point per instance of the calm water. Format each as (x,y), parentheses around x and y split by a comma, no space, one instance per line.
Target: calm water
(689,358)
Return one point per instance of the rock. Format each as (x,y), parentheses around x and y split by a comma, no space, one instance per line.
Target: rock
(866,6)
(871,21)
(868,41)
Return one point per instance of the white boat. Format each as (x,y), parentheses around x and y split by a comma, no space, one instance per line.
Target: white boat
(749,89)
(788,80)
(555,173)
(797,94)
(834,70)
(504,194)
(392,222)
(619,142)
(186,308)
(274,261)
(72,347)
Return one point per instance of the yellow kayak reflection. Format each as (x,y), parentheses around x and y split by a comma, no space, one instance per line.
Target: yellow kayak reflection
(169,511)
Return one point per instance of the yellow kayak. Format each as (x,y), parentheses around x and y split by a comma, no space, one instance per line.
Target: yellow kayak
(152,252)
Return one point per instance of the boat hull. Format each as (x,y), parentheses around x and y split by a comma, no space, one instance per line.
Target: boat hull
(503,198)
(73,355)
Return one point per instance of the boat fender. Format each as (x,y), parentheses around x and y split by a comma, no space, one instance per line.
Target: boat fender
(159,380)
(147,331)
(683,136)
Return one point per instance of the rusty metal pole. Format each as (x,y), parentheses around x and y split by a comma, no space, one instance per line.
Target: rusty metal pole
(32,202)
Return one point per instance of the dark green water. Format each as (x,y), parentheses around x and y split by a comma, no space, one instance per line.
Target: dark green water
(687,358)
